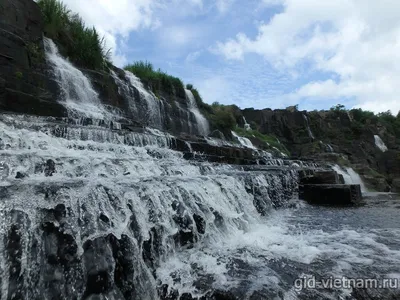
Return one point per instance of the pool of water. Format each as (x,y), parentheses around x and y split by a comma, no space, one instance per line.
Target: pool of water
(299,244)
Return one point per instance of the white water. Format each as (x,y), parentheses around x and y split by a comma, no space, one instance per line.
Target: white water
(153,103)
(350,176)
(310,134)
(120,175)
(78,95)
(202,123)
(246,125)
(380,144)
(244,141)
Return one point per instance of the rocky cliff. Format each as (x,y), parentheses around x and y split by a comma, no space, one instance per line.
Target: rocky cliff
(336,136)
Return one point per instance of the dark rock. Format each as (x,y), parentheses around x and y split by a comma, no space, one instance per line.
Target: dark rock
(217,134)
(341,179)
(200,223)
(331,194)
(104,218)
(321,177)
(21,175)
(49,168)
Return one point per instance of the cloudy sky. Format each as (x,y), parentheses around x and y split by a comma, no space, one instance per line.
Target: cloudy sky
(262,53)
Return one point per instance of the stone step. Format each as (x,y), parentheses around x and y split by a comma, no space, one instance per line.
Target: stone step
(331,194)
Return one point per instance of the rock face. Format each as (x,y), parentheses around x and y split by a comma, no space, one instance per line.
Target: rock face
(25,85)
(321,177)
(332,136)
(331,194)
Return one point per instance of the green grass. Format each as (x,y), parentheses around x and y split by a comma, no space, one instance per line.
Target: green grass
(268,140)
(81,44)
(157,80)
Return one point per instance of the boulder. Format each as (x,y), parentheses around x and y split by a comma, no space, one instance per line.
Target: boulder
(331,194)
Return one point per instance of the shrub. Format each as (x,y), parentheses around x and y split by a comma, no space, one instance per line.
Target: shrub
(81,44)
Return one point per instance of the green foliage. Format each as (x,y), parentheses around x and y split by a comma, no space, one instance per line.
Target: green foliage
(19,75)
(338,107)
(362,116)
(189,86)
(81,44)
(268,140)
(222,117)
(158,81)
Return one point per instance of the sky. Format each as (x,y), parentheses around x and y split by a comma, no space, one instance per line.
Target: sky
(262,53)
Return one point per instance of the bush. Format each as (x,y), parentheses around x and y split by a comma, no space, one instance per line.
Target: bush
(81,44)
(157,81)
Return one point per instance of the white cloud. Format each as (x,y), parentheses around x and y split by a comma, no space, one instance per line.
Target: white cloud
(357,40)
(115,19)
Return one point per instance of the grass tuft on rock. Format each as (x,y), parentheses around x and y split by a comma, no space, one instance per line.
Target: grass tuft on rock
(81,44)
(157,80)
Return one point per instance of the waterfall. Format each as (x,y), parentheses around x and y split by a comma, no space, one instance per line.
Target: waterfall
(202,123)
(87,211)
(246,125)
(310,134)
(126,90)
(350,176)
(328,147)
(245,142)
(153,114)
(78,95)
(380,144)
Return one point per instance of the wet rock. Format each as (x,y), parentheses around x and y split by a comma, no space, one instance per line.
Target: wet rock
(200,223)
(217,134)
(99,264)
(20,175)
(124,255)
(331,194)
(49,168)
(104,218)
(321,177)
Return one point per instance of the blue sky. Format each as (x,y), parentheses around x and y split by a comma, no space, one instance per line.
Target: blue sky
(262,53)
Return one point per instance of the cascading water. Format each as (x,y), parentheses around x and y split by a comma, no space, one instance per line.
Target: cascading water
(350,176)
(202,123)
(86,210)
(243,141)
(78,95)
(380,144)
(246,125)
(154,113)
(310,134)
